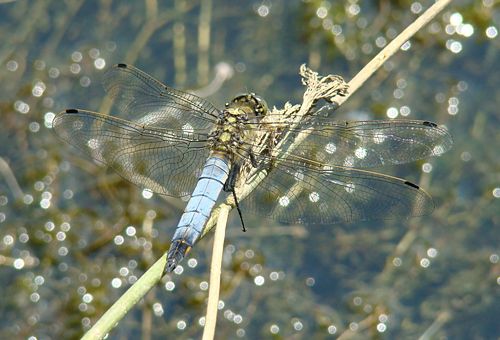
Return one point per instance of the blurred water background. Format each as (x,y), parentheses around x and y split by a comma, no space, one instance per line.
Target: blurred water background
(74,235)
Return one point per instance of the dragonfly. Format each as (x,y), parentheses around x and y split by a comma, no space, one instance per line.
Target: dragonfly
(315,171)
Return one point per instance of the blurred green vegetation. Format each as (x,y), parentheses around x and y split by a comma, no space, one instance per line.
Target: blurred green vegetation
(74,236)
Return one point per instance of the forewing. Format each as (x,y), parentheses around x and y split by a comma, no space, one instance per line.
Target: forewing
(142,98)
(294,193)
(365,144)
(166,161)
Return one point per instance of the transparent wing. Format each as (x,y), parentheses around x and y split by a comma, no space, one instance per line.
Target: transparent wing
(166,161)
(145,100)
(316,181)
(295,193)
(365,144)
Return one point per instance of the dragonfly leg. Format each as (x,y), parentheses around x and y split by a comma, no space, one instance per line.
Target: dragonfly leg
(229,187)
(231,179)
(239,211)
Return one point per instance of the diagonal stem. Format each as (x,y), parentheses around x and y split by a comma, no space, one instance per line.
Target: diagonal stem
(128,300)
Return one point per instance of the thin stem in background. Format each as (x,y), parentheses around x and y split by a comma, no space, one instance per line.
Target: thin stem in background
(179,40)
(204,30)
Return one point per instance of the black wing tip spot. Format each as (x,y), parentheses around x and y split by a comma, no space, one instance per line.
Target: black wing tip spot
(122,65)
(71,111)
(430,124)
(413,185)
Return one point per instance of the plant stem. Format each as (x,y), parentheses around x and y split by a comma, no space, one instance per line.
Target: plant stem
(215,274)
(374,64)
(128,300)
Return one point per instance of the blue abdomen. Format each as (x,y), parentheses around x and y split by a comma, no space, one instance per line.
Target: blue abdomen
(200,205)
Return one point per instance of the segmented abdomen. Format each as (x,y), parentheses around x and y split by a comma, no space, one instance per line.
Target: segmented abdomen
(200,205)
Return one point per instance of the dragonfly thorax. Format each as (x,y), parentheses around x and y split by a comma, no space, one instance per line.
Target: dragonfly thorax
(235,123)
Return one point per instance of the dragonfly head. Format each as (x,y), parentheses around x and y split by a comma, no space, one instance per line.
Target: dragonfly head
(249,102)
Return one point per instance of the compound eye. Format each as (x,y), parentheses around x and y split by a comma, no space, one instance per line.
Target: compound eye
(254,102)
(242,97)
